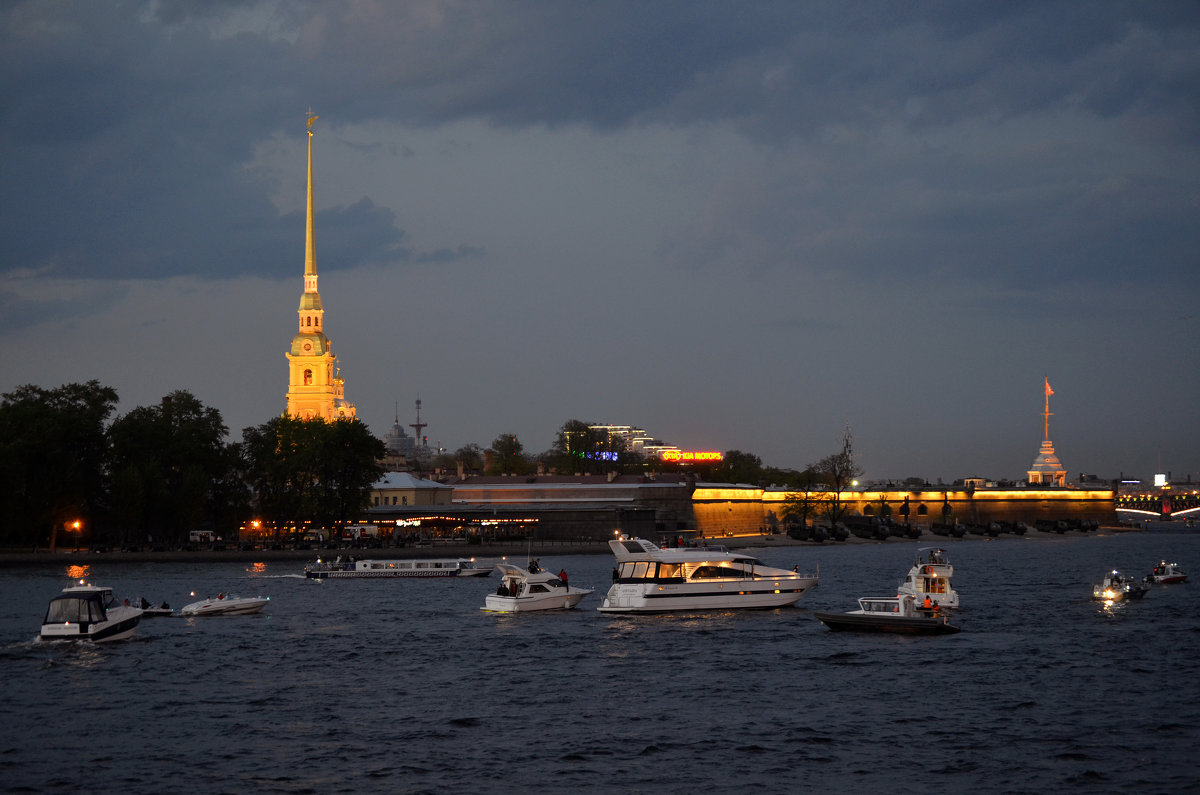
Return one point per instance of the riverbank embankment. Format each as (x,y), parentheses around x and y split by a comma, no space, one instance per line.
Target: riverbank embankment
(495,550)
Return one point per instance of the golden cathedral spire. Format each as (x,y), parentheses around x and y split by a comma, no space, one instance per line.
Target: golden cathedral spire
(315,389)
(310,249)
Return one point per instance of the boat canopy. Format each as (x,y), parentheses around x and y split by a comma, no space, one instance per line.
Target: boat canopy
(76,608)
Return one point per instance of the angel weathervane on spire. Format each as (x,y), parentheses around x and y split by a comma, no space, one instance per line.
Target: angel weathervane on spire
(312,117)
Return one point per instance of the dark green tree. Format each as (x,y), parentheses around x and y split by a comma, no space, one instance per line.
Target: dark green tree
(739,467)
(310,470)
(805,502)
(168,461)
(347,466)
(837,473)
(508,456)
(469,457)
(280,461)
(580,447)
(53,456)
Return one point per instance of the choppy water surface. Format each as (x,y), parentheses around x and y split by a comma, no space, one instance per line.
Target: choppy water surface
(406,686)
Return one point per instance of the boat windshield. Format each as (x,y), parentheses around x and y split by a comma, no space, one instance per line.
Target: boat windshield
(718,572)
(650,570)
(76,609)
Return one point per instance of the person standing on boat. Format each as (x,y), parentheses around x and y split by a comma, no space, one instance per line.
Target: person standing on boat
(562,577)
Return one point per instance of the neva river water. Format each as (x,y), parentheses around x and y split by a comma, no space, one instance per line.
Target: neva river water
(406,686)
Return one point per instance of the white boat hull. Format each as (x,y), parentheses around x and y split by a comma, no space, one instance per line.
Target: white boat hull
(388,569)
(121,623)
(726,595)
(523,604)
(225,607)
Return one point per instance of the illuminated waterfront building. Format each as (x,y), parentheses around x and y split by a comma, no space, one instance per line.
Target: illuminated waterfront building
(1047,470)
(636,440)
(315,387)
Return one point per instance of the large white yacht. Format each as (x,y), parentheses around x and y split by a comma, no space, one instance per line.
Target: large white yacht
(653,579)
(929,578)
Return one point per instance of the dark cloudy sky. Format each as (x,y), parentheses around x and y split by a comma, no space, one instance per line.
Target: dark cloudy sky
(736,225)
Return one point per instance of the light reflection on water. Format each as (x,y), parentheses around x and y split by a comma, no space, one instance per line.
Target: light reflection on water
(78,572)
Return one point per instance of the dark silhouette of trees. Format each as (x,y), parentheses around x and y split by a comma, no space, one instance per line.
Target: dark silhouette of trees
(311,470)
(738,467)
(469,457)
(347,466)
(170,467)
(508,456)
(837,473)
(578,447)
(53,451)
(805,501)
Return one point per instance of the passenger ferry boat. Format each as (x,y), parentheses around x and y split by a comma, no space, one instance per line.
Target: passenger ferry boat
(930,576)
(889,614)
(416,567)
(88,612)
(651,579)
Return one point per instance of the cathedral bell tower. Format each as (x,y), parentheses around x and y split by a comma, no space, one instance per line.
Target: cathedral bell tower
(315,387)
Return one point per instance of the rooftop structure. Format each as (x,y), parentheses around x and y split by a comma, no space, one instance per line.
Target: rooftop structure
(1047,470)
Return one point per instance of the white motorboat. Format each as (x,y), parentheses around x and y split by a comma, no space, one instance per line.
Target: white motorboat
(415,567)
(930,577)
(88,612)
(889,614)
(1116,588)
(522,590)
(1165,574)
(226,605)
(651,579)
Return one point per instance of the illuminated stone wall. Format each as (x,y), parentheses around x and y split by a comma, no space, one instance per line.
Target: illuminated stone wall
(746,510)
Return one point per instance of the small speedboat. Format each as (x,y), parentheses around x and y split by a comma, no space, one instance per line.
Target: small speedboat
(889,614)
(522,590)
(226,605)
(1164,574)
(1116,588)
(88,612)
(930,577)
(150,611)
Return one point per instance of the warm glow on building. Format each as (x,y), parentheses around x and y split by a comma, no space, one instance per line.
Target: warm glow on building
(315,387)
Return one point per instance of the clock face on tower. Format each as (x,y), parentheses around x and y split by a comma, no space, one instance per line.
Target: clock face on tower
(308,346)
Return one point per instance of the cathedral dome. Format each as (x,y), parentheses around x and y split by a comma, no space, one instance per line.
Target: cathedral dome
(1046,460)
